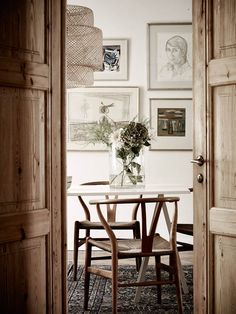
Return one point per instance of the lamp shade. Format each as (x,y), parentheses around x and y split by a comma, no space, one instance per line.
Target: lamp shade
(83,46)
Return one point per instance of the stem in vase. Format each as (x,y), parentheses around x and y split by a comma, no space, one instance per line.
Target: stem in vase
(122,176)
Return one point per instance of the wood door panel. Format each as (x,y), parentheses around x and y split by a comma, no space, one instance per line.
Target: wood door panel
(224,274)
(215,129)
(22,162)
(222,71)
(23,268)
(22,30)
(31,75)
(223,221)
(224,117)
(32,159)
(24,225)
(224,35)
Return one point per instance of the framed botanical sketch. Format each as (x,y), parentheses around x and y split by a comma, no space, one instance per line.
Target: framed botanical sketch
(170,56)
(171,121)
(87,108)
(115,60)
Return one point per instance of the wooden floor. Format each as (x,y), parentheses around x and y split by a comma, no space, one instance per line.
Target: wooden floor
(186,259)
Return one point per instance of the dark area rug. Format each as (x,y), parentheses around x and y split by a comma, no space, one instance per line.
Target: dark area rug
(100,294)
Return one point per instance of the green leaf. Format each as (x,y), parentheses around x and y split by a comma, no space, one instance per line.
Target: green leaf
(132,178)
(136,165)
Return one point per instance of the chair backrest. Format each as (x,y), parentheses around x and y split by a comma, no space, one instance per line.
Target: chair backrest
(147,237)
(111,208)
(96,183)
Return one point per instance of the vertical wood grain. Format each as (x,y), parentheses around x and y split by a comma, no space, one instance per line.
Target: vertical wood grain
(214,116)
(23,270)
(224,30)
(199,197)
(22,115)
(32,233)
(58,152)
(22,30)
(224,274)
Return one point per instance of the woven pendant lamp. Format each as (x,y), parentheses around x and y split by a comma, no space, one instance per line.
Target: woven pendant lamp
(83,47)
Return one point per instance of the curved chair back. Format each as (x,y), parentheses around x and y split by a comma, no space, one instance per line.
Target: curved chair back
(111,210)
(147,237)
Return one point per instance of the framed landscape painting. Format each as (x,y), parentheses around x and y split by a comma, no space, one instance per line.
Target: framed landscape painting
(171,122)
(115,60)
(170,56)
(88,107)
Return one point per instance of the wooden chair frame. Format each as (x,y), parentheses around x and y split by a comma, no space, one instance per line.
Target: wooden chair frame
(150,244)
(89,225)
(185,229)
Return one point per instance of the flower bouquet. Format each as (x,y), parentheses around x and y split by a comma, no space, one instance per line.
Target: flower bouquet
(126,143)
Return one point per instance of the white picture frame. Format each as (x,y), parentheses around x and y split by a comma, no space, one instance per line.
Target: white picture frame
(171,122)
(169,56)
(115,61)
(86,106)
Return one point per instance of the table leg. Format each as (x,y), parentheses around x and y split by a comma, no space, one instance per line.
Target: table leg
(182,277)
(141,277)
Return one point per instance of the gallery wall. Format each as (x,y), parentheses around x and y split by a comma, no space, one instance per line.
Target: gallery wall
(128,19)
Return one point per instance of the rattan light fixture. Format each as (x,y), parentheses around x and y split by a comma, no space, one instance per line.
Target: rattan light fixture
(83,46)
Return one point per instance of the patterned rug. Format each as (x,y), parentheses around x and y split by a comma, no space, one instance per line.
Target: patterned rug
(100,295)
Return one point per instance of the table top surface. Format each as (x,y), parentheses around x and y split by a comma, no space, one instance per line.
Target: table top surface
(149,189)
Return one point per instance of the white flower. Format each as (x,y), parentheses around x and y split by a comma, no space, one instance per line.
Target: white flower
(152,134)
(116,138)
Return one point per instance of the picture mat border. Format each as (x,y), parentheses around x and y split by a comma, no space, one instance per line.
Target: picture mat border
(171,143)
(122,75)
(134,92)
(153,84)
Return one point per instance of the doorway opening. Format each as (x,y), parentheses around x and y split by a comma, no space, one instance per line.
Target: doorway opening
(90,163)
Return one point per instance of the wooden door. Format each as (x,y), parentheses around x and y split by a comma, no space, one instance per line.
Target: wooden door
(31,157)
(215,139)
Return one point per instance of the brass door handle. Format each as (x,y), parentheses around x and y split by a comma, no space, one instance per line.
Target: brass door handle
(199,160)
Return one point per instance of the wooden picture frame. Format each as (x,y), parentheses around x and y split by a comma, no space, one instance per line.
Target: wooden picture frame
(171,123)
(115,61)
(87,106)
(169,56)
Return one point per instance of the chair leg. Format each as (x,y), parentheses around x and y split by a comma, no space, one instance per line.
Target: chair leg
(87,274)
(87,233)
(137,235)
(114,283)
(76,236)
(171,263)
(177,284)
(158,277)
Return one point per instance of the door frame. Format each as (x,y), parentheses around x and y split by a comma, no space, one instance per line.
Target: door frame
(201,147)
(58,159)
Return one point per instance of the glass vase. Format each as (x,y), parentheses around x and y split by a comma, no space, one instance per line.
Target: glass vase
(127,172)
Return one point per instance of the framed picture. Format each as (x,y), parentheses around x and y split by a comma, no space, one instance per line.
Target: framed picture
(115,60)
(170,56)
(88,106)
(171,122)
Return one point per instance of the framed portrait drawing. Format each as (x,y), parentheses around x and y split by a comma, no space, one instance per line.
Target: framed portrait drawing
(88,107)
(115,60)
(170,56)
(171,122)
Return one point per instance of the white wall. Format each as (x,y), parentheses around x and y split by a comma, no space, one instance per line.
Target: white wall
(128,19)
